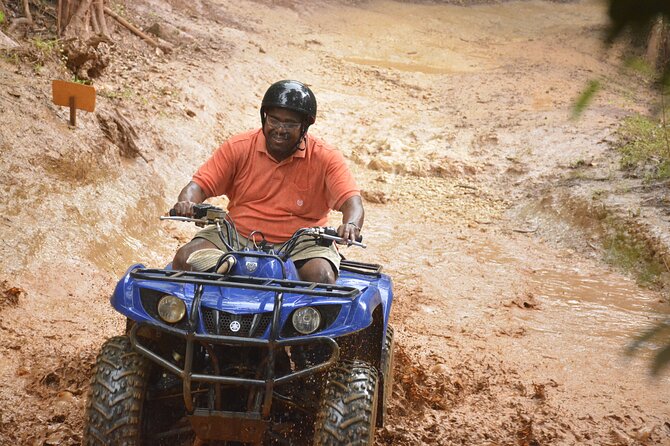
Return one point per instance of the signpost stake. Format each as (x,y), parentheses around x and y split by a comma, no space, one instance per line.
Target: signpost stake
(73,112)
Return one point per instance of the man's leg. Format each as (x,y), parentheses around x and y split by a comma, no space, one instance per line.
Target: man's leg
(207,238)
(317,269)
(316,263)
(179,262)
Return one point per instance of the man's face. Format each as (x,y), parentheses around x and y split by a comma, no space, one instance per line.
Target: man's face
(282,132)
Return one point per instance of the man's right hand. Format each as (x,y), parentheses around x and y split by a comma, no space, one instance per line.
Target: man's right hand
(189,196)
(183,209)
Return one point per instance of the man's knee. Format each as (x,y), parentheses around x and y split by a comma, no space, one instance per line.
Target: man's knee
(183,253)
(317,270)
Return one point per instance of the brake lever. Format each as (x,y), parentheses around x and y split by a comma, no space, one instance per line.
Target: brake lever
(187,219)
(329,233)
(343,241)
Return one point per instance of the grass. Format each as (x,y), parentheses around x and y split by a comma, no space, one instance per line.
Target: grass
(38,53)
(123,94)
(640,66)
(77,80)
(643,143)
(632,254)
(11,57)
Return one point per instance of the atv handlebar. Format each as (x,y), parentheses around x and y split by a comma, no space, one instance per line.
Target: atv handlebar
(207,214)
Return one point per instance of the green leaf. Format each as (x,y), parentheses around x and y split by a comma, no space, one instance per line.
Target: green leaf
(660,360)
(585,98)
(648,335)
(2,17)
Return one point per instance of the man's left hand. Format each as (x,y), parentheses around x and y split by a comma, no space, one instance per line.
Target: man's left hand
(349,231)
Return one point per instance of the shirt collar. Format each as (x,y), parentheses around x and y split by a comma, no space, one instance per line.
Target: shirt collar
(262,147)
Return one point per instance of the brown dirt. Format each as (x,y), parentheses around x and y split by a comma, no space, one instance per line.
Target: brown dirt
(510,327)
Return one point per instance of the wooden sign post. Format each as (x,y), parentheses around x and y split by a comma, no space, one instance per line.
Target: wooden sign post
(73,95)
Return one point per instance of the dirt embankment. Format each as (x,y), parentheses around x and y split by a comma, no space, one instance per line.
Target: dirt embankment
(510,328)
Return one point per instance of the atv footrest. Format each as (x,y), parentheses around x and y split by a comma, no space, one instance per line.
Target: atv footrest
(369,269)
(243,427)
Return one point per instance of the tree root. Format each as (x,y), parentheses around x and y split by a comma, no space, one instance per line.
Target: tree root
(136,31)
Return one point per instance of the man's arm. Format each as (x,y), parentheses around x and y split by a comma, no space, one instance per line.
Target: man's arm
(190,195)
(353,216)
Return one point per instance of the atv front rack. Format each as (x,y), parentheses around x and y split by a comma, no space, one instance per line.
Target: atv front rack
(247,282)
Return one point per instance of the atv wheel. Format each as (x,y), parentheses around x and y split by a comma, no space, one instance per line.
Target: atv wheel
(116,398)
(387,375)
(348,407)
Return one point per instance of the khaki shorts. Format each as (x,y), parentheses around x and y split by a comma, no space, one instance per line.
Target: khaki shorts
(303,251)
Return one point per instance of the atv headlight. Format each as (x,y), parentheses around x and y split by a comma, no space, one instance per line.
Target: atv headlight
(171,309)
(306,320)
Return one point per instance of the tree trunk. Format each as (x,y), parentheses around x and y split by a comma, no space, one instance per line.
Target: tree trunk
(26,10)
(658,44)
(99,15)
(77,18)
(78,25)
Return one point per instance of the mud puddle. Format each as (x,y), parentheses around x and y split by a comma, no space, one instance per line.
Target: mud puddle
(605,306)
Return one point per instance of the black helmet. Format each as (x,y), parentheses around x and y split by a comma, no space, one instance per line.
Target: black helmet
(292,95)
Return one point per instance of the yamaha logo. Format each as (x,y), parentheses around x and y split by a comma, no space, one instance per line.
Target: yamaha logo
(251,266)
(235,326)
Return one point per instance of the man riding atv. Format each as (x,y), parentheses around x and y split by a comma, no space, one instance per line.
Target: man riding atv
(259,333)
(278,179)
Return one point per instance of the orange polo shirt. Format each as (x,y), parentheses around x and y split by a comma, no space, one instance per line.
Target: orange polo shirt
(277,198)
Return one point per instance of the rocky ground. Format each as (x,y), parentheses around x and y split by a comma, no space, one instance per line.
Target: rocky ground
(486,202)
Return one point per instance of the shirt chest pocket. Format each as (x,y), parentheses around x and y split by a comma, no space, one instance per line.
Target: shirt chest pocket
(302,180)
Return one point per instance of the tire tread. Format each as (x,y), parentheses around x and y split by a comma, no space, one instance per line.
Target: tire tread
(347,414)
(115,399)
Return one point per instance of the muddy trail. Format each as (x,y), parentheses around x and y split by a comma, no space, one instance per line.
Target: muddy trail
(510,328)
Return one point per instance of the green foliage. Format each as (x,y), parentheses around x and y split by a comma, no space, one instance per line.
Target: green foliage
(11,57)
(643,144)
(657,333)
(625,251)
(77,80)
(640,66)
(43,51)
(585,98)
(122,94)
(47,46)
(2,17)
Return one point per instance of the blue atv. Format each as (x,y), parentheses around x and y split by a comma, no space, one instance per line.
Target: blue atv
(246,355)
